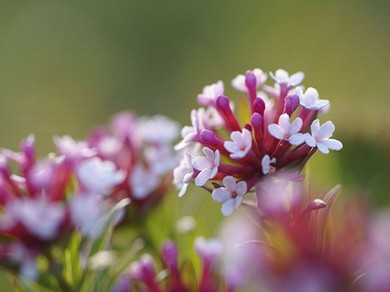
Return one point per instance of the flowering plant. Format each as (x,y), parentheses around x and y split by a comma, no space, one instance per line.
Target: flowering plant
(279,131)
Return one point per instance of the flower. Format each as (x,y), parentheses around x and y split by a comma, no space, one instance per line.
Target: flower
(145,270)
(98,176)
(320,137)
(310,99)
(242,143)
(274,136)
(293,241)
(208,165)
(210,93)
(286,131)
(239,82)
(230,194)
(266,163)
(132,157)
(282,77)
(182,175)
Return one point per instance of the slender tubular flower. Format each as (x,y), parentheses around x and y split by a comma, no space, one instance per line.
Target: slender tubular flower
(276,131)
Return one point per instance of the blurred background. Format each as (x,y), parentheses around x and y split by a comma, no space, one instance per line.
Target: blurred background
(66,66)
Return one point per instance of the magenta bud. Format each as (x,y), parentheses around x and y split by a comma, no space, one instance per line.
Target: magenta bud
(259,106)
(250,82)
(169,254)
(257,122)
(291,104)
(223,107)
(248,127)
(28,147)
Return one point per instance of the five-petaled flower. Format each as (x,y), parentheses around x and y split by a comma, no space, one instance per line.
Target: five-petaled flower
(230,194)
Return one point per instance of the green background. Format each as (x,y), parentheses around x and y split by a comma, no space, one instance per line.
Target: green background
(66,66)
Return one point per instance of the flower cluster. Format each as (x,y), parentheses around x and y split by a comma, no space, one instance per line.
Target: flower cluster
(279,130)
(294,241)
(44,201)
(143,274)
(131,158)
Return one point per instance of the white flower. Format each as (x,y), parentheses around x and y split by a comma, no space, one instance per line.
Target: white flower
(208,165)
(286,131)
(160,159)
(240,145)
(158,129)
(210,93)
(230,194)
(310,99)
(189,133)
(320,137)
(282,77)
(72,149)
(98,176)
(109,146)
(266,163)
(182,175)
(239,81)
(143,181)
(210,249)
(39,216)
(87,213)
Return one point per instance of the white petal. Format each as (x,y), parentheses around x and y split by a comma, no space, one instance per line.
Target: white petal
(202,177)
(230,146)
(221,195)
(333,144)
(296,78)
(241,188)
(275,131)
(297,139)
(228,207)
(284,122)
(200,162)
(230,183)
(315,127)
(183,190)
(325,131)
(239,154)
(310,140)
(323,148)
(319,104)
(296,126)
(209,153)
(239,83)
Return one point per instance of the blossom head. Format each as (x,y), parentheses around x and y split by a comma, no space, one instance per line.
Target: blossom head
(132,157)
(280,133)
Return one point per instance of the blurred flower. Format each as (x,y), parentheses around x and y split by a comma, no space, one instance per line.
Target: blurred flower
(131,158)
(174,276)
(268,136)
(295,242)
